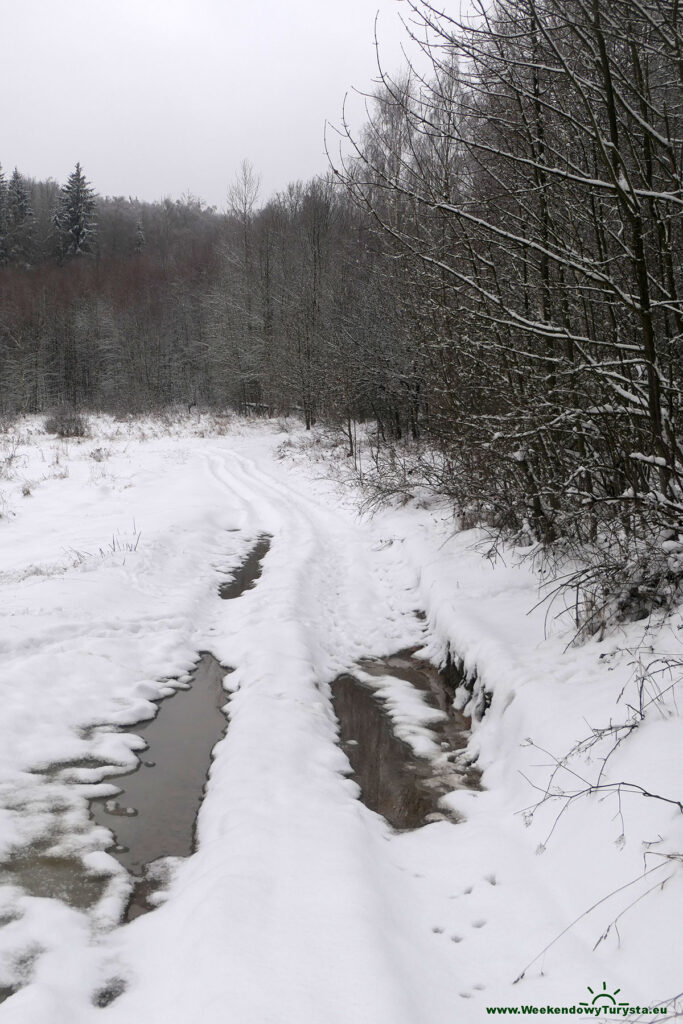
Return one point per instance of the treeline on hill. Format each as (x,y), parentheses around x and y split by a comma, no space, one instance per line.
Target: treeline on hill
(493,276)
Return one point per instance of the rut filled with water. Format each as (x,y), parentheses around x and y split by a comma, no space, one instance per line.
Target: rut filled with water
(153,817)
(245,576)
(404,788)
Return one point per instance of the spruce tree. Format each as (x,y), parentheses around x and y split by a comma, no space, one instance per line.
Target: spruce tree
(75,217)
(18,219)
(4,253)
(139,239)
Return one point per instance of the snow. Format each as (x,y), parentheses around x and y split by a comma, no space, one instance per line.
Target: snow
(300,905)
(408,710)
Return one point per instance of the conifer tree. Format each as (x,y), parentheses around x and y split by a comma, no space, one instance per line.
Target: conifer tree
(18,219)
(3,218)
(75,217)
(139,239)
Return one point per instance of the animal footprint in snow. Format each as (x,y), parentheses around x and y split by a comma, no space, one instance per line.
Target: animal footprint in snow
(456,938)
(491,879)
(437,930)
(479,923)
(109,993)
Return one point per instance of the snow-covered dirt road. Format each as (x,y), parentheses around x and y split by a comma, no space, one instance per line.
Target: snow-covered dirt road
(299,905)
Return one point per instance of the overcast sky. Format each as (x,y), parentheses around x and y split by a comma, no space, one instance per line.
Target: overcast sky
(161,97)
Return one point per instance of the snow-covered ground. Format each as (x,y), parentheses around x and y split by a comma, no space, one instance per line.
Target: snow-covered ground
(300,905)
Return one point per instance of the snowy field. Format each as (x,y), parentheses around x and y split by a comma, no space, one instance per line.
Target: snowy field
(300,905)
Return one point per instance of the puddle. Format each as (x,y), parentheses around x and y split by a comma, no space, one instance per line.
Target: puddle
(154,815)
(453,731)
(404,788)
(62,878)
(244,577)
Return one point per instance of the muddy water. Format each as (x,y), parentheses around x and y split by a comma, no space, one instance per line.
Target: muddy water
(246,575)
(453,731)
(153,818)
(402,787)
(154,815)
(62,878)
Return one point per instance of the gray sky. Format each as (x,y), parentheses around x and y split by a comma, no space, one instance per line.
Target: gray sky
(160,97)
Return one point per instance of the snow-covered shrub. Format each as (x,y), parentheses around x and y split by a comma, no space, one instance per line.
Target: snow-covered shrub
(66,422)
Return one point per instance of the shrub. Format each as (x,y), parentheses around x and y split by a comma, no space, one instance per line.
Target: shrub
(66,422)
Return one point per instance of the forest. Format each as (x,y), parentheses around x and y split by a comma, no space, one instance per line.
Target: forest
(341,526)
(487,284)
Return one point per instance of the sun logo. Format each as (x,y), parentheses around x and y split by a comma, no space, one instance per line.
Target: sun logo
(608,997)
